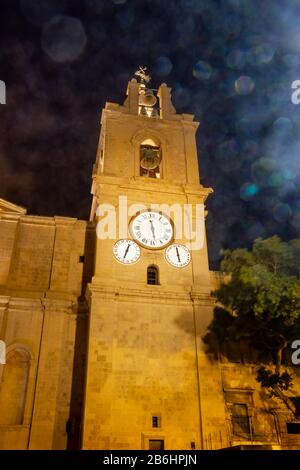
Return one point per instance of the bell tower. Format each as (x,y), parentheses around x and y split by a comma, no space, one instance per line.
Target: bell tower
(150,294)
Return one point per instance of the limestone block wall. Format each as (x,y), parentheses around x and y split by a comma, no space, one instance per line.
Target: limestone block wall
(41,270)
(141,363)
(119,152)
(224,382)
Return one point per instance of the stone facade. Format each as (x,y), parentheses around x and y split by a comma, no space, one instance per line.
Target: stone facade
(97,358)
(41,276)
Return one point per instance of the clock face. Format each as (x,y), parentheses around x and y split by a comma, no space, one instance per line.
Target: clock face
(178,255)
(126,251)
(151,229)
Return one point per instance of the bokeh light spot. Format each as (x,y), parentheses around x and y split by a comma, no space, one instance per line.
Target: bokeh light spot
(296,221)
(255,230)
(63,38)
(163,66)
(291,60)
(288,174)
(202,70)
(236,59)
(248,191)
(265,174)
(282,212)
(228,155)
(282,126)
(181,96)
(287,189)
(244,85)
(261,54)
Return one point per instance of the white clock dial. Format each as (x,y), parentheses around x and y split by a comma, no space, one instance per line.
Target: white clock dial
(178,255)
(151,229)
(126,251)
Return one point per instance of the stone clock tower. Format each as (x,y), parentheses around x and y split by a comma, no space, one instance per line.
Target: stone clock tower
(149,297)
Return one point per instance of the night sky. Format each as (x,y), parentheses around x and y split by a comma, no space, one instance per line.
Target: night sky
(231,63)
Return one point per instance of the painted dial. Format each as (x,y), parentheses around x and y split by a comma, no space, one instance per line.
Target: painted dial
(151,229)
(178,255)
(126,251)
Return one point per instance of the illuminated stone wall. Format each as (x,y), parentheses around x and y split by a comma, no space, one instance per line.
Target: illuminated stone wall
(145,354)
(142,355)
(40,281)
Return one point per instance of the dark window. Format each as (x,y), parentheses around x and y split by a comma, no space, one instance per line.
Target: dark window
(193,445)
(240,419)
(156,422)
(293,428)
(156,444)
(81,259)
(152,275)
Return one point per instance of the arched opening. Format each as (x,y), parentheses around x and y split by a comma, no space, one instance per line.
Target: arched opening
(152,275)
(150,159)
(13,387)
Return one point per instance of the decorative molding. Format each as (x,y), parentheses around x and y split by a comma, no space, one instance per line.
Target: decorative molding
(36,304)
(8,207)
(148,294)
(139,183)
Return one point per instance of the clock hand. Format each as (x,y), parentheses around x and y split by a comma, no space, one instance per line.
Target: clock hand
(177,252)
(126,251)
(152,229)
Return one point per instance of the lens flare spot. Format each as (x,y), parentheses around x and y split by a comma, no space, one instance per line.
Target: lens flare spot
(282,126)
(236,59)
(256,230)
(288,174)
(265,173)
(248,191)
(163,66)
(291,60)
(63,38)
(286,189)
(282,212)
(202,70)
(296,221)
(244,85)
(181,96)
(261,54)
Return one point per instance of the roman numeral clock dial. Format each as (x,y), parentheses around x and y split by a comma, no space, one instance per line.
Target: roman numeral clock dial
(178,255)
(126,251)
(151,230)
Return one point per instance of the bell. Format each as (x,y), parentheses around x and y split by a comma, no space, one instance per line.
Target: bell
(154,113)
(143,111)
(147,98)
(150,159)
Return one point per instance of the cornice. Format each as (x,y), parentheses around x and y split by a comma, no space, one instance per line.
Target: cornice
(30,304)
(118,112)
(148,295)
(40,219)
(10,208)
(115,185)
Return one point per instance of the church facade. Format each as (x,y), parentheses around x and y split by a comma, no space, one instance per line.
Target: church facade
(103,320)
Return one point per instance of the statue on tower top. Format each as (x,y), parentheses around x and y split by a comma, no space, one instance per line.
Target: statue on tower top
(141,73)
